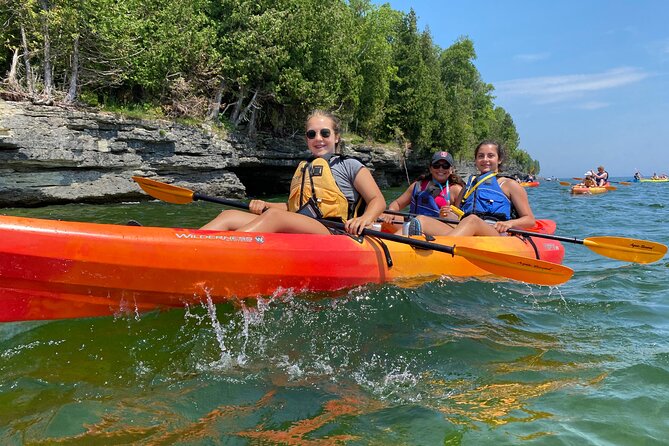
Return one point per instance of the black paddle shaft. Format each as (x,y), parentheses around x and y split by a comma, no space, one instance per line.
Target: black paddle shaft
(395,238)
(333,224)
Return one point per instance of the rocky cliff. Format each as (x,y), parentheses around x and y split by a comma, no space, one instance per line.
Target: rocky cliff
(52,155)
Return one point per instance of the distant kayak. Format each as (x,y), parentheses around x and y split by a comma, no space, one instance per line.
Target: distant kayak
(530,184)
(584,190)
(650,180)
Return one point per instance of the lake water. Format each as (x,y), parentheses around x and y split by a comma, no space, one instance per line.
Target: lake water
(448,363)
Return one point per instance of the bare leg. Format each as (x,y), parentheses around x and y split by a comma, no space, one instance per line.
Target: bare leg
(277,220)
(230,220)
(430,226)
(473,225)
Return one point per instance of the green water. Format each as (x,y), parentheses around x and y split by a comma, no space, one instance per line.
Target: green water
(450,362)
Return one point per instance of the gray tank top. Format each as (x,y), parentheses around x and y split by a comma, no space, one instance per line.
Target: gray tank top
(344,171)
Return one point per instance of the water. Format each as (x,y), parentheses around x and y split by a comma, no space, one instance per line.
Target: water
(450,362)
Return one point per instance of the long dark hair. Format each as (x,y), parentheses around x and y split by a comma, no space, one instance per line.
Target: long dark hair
(500,149)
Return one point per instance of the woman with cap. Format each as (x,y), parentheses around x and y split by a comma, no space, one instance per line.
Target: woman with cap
(431,195)
(328,186)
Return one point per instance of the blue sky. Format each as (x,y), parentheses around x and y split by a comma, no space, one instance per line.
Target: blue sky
(586,81)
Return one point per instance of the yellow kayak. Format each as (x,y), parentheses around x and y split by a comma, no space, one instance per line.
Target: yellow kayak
(584,190)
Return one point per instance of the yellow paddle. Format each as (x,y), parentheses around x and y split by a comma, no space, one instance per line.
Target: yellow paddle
(619,248)
(624,183)
(514,267)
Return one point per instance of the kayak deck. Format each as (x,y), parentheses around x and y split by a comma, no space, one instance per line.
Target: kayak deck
(56,269)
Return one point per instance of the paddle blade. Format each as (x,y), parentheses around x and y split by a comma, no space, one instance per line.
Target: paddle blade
(625,183)
(565,183)
(523,269)
(610,187)
(577,178)
(626,249)
(165,192)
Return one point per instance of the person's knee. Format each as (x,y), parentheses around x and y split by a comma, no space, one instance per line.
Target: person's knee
(470,219)
(272,211)
(271,214)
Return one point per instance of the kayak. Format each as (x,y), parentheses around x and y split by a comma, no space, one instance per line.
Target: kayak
(650,180)
(530,184)
(584,190)
(58,269)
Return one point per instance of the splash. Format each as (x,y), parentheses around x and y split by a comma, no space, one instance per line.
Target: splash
(226,360)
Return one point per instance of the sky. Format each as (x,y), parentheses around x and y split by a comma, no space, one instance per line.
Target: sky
(586,81)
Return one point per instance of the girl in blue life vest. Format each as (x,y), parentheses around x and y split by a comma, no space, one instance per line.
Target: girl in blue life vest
(486,197)
(490,197)
(346,178)
(432,194)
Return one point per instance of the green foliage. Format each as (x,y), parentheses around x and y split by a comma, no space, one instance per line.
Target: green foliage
(263,64)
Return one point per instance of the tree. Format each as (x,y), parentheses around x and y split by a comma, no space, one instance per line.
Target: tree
(264,63)
(411,106)
(376,33)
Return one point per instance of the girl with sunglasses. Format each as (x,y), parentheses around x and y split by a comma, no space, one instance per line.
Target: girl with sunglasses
(330,186)
(431,195)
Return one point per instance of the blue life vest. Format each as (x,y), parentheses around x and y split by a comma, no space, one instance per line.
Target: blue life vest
(428,197)
(602,178)
(484,197)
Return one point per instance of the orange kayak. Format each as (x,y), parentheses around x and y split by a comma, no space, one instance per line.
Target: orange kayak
(530,184)
(584,190)
(57,269)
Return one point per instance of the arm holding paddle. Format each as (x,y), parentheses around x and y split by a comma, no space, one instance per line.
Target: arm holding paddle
(398,204)
(601,176)
(260,206)
(370,192)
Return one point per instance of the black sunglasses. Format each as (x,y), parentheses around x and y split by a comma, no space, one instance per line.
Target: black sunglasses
(325,133)
(442,165)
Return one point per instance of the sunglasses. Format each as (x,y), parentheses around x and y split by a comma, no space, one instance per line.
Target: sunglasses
(442,165)
(325,133)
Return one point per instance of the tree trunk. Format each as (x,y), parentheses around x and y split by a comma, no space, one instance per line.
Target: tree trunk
(12,81)
(74,79)
(252,131)
(48,78)
(215,106)
(252,104)
(238,106)
(26,62)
